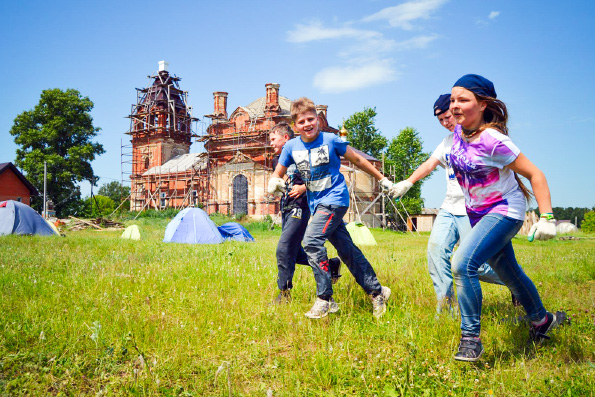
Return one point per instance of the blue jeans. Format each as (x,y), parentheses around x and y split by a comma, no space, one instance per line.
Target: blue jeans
(490,240)
(289,248)
(447,230)
(327,224)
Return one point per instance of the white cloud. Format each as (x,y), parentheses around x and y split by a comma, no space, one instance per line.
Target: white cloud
(315,31)
(337,79)
(402,15)
(416,42)
(493,14)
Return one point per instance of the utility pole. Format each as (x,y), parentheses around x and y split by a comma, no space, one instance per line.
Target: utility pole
(45,183)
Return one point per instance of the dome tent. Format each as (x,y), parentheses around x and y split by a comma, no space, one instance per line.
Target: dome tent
(360,234)
(192,226)
(131,233)
(19,218)
(235,231)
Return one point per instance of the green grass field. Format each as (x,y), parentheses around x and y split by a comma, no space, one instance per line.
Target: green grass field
(92,314)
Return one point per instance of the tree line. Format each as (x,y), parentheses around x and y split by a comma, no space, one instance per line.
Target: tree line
(59,132)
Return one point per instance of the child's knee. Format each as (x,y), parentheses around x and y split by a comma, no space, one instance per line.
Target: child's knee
(458,265)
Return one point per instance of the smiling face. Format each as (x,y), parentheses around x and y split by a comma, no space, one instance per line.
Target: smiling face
(466,109)
(277,141)
(447,120)
(306,124)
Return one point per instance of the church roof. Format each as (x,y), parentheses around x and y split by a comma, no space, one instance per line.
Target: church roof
(179,163)
(256,108)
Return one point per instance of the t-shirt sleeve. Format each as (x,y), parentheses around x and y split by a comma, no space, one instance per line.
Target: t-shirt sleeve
(339,145)
(286,159)
(503,151)
(438,154)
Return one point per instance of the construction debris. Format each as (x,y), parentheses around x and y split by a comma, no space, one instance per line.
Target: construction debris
(101,224)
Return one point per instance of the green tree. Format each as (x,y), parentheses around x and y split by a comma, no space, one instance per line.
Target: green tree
(588,224)
(114,190)
(98,206)
(58,131)
(404,154)
(570,213)
(363,135)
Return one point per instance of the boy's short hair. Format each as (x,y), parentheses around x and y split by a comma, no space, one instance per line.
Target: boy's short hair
(282,129)
(302,105)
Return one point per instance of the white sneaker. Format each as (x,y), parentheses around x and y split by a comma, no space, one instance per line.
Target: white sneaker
(334,306)
(379,302)
(321,308)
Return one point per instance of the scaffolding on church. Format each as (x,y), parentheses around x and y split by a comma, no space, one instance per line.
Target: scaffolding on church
(161,128)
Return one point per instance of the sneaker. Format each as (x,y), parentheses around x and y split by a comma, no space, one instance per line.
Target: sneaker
(283,297)
(470,349)
(538,334)
(379,302)
(335,268)
(321,308)
(515,301)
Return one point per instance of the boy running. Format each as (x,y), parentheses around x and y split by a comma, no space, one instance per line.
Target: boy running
(317,156)
(295,215)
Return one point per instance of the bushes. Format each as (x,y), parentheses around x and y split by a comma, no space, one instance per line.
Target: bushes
(588,224)
(98,206)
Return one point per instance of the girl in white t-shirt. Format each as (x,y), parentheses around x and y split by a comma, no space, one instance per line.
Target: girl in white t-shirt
(486,164)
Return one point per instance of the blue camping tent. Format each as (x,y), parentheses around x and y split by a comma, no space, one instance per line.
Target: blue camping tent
(19,218)
(235,231)
(192,226)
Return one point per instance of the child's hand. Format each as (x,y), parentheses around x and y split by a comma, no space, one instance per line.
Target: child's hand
(297,191)
(399,189)
(545,229)
(276,186)
(386,184)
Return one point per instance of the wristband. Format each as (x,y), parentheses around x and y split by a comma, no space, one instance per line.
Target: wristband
(547,216)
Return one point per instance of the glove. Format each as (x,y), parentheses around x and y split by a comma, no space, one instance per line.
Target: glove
(399,189)
(545,229)
(385,183)
(276,186)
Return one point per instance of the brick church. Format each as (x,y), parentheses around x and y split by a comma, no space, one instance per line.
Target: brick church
(231,176)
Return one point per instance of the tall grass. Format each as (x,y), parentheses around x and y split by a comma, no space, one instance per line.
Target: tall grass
(92,314)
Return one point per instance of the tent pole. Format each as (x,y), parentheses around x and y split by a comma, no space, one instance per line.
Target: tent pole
(45,172)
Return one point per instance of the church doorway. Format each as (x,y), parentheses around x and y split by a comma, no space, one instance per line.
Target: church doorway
(240,195)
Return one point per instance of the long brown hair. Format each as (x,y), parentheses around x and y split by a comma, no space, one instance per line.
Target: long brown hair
(495,116)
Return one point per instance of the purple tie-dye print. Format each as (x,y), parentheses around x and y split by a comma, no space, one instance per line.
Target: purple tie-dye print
(488,186)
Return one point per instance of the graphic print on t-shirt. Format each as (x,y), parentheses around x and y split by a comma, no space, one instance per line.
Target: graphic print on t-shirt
(320,155)
(302,163)
(315,180)
(449,170)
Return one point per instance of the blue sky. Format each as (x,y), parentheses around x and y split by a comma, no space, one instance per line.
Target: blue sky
(397,56)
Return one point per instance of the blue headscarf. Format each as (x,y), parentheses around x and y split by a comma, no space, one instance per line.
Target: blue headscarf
(442,104)
(477,84)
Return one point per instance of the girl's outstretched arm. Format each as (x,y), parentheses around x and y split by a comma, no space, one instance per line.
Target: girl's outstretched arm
(523,166)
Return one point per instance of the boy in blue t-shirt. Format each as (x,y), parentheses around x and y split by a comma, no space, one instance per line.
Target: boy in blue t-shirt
(295,215)
(318,158)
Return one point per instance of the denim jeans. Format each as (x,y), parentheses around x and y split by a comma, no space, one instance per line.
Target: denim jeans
(289,248)
(327,224)
(490,240)
(447,230)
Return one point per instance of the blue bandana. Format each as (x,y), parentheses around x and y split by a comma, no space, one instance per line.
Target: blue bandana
(442,104)
(477,84)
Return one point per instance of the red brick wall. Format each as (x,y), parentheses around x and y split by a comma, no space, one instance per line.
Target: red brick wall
(11,188)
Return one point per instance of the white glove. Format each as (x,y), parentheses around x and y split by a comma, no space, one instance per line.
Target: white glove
(385,183)
(399,189)
(276,186)
(545,229)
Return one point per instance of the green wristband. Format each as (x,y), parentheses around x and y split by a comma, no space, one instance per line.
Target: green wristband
(547,216)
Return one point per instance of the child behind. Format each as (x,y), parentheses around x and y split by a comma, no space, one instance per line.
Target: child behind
(317,156)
